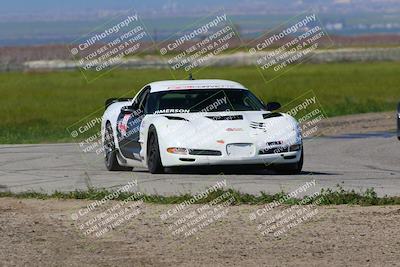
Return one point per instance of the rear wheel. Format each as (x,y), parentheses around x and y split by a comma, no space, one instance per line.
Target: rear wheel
(110,152)
(153,153)
(291,168)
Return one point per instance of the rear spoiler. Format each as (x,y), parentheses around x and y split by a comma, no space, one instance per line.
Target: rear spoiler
(115,100)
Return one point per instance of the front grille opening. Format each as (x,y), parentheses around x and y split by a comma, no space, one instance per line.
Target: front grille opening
(226,118)
(275,150)
(202,152)
(186,159)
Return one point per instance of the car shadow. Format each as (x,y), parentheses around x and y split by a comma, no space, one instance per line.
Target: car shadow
(237,170)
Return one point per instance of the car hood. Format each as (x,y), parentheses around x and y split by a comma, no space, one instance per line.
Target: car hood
(228,127)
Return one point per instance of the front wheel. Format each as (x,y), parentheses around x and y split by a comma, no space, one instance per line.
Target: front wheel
(291,168)
(154,163)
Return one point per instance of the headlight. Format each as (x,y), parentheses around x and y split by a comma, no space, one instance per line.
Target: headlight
(177,150)
(296,147)
(298,128)
(298,133)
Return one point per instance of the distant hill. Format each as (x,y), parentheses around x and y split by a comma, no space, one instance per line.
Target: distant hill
(24,22)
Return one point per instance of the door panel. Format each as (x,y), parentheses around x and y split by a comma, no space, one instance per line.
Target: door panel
(128,135)
(128,127)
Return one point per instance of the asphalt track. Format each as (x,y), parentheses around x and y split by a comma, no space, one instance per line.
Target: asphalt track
(355,162)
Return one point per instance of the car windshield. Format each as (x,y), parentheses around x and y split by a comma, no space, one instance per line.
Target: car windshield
(202,100)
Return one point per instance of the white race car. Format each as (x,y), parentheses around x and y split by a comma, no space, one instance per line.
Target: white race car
(199,122)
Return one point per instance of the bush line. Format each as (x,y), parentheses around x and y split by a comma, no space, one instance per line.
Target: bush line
(330,197)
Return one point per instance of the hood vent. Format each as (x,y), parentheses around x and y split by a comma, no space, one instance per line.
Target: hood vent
(258,125)
(226,118)
(271,115)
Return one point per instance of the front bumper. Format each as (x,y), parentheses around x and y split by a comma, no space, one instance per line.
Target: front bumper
(170,160)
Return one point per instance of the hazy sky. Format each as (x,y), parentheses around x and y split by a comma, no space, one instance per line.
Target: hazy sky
(44,9)
(38,6)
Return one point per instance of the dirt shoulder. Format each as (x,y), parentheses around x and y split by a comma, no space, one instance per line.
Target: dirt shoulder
(360,123)
(41,232)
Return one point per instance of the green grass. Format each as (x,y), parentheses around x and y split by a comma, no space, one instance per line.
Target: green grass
(38,107)
(338,196)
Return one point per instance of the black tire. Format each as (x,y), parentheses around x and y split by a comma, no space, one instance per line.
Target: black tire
(110,152)
(153,153)
(292,168)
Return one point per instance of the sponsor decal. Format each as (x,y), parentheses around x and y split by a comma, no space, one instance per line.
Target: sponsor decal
(201,86)
(234,129)
(165,111)
(123,124)
(275,143)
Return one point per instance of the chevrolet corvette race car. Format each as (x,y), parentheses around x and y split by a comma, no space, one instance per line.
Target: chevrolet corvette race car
(198,122)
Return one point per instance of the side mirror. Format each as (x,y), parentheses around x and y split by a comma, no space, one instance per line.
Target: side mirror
(273,106)
(127,110)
